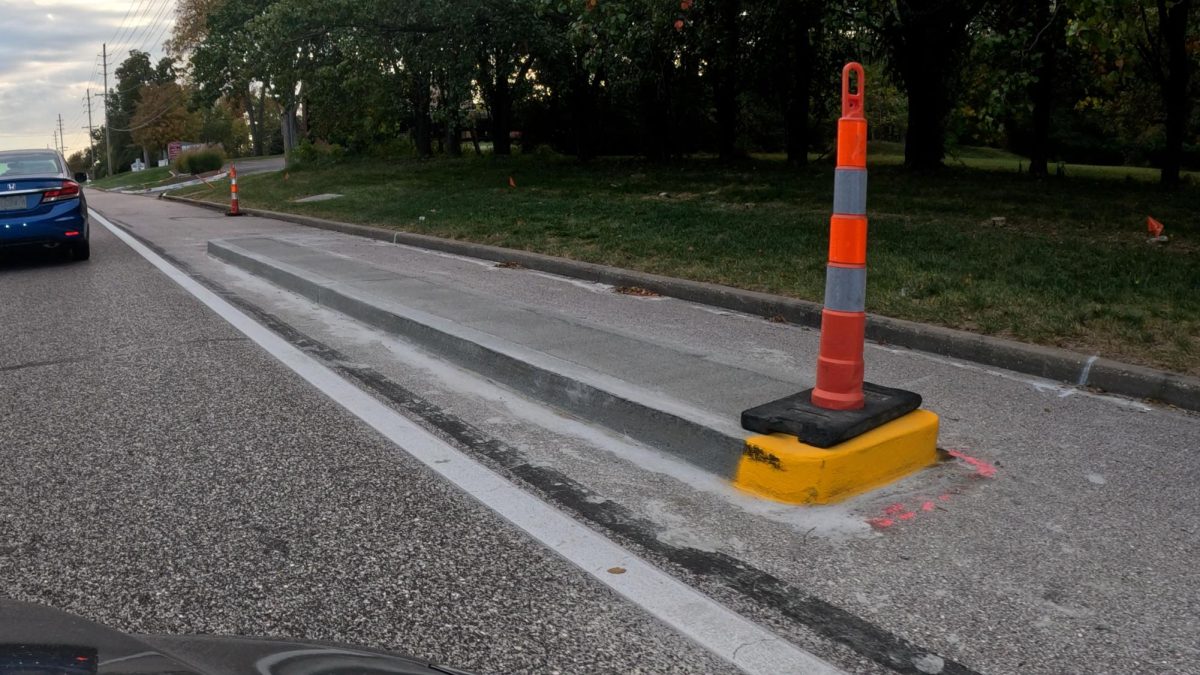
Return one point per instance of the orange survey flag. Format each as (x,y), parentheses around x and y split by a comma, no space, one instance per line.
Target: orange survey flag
(1155,227)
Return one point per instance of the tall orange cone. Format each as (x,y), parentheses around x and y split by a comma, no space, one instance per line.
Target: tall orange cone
(844,436)
(844,318)
(233,192)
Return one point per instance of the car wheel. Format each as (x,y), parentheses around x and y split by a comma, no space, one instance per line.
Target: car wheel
(80,250)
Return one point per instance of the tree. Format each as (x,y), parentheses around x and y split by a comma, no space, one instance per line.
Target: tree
(191,25)
(134,72)
(787,42)
(227,61)
(501,34)
(1153,40)
(926,41)
(725,61)
(161,117)
(223,124)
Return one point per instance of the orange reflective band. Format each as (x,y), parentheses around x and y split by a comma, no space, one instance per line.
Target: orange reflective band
(852,142)
(848,240)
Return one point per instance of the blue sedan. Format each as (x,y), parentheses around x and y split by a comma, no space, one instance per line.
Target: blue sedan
(41,204)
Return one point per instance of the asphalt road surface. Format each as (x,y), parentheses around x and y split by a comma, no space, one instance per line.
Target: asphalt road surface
(162,474)
(253,165)
(165,473)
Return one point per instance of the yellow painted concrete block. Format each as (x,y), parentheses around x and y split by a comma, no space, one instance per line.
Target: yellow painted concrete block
(780,467)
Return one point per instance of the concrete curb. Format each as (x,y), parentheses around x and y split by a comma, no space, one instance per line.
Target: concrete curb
(1049,362)
(692,434)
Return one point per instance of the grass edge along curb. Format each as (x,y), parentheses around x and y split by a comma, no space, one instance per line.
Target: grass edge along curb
(1052,363)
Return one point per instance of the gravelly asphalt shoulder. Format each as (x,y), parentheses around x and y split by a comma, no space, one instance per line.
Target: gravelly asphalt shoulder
(164,475)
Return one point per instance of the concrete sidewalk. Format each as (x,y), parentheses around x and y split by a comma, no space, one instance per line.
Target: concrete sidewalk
(1061,539)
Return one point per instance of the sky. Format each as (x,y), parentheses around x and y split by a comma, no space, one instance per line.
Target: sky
(50,57)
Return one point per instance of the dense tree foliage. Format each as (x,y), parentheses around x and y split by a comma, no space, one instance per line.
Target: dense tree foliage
(1057,80)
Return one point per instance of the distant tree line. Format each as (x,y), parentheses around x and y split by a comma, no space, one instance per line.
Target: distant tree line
(1100,81)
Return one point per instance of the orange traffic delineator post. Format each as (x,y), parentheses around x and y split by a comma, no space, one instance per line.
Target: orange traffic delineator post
(843,436)
(844,317)
(233,192)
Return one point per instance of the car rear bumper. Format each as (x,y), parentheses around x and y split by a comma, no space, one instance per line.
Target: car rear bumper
(45,228)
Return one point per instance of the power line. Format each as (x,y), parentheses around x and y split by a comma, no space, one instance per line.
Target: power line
(163,111)
(158,39)
(121,26)
(149,27)
(131,29)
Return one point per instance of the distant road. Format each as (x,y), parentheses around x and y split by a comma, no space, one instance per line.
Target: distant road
(252,165)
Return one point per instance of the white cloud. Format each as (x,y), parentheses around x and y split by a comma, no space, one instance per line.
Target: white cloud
(49,58)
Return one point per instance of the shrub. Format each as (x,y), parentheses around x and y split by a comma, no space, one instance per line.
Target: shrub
(315,154)
(200,160)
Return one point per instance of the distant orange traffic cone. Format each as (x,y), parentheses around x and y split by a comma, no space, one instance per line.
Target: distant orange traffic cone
(233,192)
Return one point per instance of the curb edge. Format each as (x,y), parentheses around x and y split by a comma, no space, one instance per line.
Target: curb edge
(1053,363)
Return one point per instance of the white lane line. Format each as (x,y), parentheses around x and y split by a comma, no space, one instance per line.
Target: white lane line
(718,629)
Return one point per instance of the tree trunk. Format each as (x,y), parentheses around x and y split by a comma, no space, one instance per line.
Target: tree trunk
(1051,26)
(501,108)
(925,138)
(1173,25)
(798,74)
(262,116)
(422,124)
(583,100)
(726,89)
(255,129)
(453,138)
(655,94)
(289,129)
(927,41)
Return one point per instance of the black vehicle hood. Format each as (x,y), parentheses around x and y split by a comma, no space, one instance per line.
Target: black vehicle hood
(39,640)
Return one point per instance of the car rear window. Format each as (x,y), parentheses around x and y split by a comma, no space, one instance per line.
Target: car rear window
(12,166)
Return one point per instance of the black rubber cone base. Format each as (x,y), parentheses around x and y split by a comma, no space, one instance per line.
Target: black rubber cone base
(798,416)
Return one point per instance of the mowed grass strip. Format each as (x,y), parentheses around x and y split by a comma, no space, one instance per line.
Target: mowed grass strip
(132,179)
(1058,261)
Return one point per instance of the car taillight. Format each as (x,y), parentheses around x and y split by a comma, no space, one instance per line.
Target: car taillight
(67,190)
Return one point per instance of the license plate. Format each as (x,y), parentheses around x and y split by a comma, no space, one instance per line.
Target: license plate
(14,203)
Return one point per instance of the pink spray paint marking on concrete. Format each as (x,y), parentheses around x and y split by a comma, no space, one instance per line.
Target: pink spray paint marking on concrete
(897,513)
(982,468)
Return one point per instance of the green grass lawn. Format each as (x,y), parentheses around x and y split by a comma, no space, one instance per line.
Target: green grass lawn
(130,179)
(1068,265)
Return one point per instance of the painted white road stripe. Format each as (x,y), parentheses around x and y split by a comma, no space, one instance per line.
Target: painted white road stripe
(718,629)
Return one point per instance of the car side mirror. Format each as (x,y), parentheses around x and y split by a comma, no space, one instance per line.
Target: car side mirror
(81,177)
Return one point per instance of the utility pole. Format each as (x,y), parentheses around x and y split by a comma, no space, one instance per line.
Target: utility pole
(91,136)
(56,141)
(107,126)
(62,140)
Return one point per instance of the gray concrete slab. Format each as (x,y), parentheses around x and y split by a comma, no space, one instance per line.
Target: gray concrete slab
(651,365)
